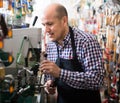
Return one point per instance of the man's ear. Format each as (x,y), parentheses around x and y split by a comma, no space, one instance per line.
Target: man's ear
(65,20)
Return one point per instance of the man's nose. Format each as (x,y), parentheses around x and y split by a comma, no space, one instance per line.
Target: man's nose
(47,29)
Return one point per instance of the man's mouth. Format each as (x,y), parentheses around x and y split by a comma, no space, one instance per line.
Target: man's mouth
(50,34)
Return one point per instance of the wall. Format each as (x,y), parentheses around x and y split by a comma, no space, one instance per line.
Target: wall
(39,5)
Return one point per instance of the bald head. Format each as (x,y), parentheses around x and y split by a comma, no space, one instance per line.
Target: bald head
(55,21)
(57,10)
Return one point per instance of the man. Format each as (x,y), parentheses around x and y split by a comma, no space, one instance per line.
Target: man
(74,60)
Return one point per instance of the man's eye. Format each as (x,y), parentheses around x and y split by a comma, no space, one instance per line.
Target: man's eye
(43,24)
(49,23)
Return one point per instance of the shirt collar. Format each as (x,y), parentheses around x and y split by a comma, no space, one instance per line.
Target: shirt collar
(65,41)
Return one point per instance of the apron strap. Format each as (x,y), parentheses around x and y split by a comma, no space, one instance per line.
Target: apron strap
(72,42)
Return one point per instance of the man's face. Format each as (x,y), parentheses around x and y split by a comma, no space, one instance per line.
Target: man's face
(53,27)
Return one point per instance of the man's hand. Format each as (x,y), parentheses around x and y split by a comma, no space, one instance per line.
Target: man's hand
(49,88)
(51,68)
